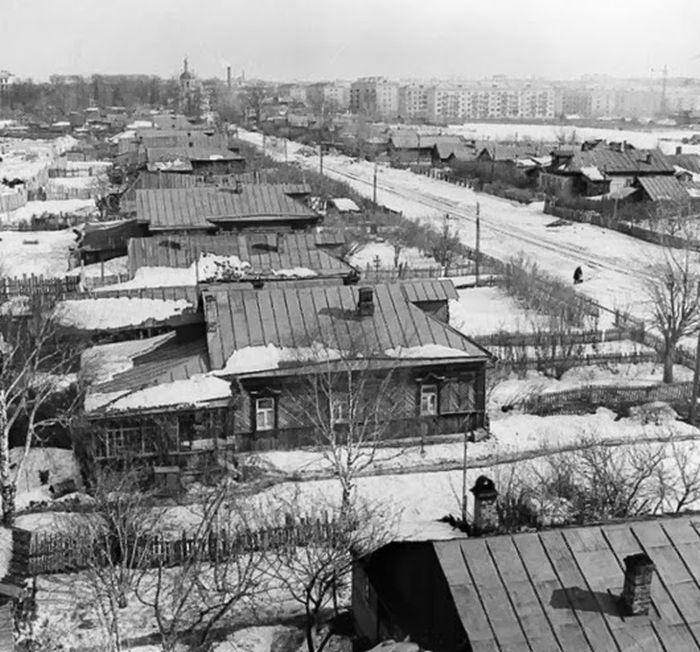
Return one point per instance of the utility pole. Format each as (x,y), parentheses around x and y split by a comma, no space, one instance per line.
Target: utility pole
(374,186)
(320,157)
(477,255)
(285,151)
(696,386)
(464,475)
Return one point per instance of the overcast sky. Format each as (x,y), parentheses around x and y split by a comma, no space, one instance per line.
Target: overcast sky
(344,39)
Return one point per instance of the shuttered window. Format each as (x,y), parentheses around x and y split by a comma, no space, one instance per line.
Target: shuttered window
(457,396)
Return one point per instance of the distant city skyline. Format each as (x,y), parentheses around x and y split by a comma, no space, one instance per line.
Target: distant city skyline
(314,40)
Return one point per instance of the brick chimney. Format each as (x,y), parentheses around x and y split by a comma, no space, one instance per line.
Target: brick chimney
(636,594)
(365,302)
(485,508)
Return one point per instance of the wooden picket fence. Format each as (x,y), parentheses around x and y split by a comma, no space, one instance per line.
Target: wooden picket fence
(58,552)
(575,401)
(405,272)
(39,286)
(518,339)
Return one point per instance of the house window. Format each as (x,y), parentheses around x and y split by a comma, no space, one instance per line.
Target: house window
(428,400)
(339,409)
(264,413)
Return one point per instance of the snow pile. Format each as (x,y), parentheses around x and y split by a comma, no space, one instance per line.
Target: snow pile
(31,209)
(119,312)
(196,390)
(264,358)
(257,639)
(425,351)
(111,267)
(157,277)
(383,252)
(295,272)
(16,306)
(212,267)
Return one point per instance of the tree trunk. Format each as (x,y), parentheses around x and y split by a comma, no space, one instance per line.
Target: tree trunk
(8,493)
(669,359)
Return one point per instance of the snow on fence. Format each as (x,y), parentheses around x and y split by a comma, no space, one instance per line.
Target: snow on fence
(580,400)
(57,552)
(505,340)
(404,271)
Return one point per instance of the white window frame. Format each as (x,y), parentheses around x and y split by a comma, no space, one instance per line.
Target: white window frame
(340,409)
(265,416)
(429,400)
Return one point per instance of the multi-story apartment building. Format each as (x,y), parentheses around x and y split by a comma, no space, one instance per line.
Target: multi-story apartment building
(479,101)
(413,100)
(337,94)
(375,96)
(5,80)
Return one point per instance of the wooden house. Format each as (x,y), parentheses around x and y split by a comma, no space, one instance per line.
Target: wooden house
(239,379)
(195,160)
(605,168)
(619,586)
(208,210)
(408,147)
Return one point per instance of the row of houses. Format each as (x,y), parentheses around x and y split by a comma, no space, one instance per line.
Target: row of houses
(236,306)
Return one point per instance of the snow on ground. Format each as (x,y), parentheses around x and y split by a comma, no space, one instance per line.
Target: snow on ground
(117,312)
(487,310)
(153,277)
(368,254)
(640,138)
(84,207)
(59,184)
(60,463)
(43,253)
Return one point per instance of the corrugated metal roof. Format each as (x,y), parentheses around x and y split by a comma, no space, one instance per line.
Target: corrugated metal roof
(297,317)
(330,236)
(260,250)
(690,162)
(195,208)
(627,162)
(165,364)
(663,188)
(558,590)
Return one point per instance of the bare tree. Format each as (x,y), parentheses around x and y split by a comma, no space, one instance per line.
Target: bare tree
(314,573)
(114,543)
(36,390)
(349,398)
(447,247)
(673,291)
(213,575)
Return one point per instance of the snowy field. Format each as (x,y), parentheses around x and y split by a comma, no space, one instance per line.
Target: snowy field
(667,139)
(43,253)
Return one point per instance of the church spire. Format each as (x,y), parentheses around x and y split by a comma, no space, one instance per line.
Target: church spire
(185,65)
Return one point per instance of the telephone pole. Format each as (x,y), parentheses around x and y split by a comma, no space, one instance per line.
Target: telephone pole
(320,157)
(477,255)
(374,186)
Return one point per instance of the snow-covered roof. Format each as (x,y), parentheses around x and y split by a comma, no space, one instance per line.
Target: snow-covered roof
(345,205)
(296,326)
(592,173)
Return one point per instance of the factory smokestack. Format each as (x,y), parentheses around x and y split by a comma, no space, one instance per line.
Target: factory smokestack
(228,76)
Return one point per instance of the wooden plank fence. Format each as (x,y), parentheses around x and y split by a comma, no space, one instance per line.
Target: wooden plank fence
(38,286)
(403,272)
(580,400)
(546,339)
(544,361)
(56,552)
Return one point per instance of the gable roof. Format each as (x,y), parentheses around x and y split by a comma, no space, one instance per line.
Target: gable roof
(666,188)
(297,317)
(199,207)
(610,161)
(690,162)
(499,152)
(558,589)
(265,252)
